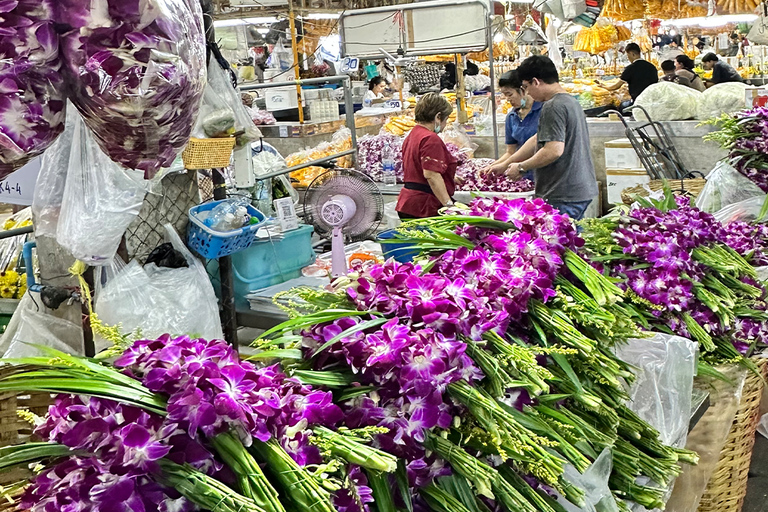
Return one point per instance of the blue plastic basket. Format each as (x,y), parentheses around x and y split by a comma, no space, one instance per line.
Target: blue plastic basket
(212,244)
(401,252)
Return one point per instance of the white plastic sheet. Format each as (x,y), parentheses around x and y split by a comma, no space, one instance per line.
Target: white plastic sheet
(594,483)
(159,300)
(32,324)
(667,101)
(743,211)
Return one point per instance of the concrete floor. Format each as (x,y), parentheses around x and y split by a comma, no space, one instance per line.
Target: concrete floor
(757,486)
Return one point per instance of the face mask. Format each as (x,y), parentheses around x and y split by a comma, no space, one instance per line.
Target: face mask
(522,103)
(437,128)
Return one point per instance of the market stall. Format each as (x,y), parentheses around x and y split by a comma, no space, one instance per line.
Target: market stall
(206,316)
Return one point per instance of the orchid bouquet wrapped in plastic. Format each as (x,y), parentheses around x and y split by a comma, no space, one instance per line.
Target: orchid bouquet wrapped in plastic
(489,369)
(137,72)
(32,102)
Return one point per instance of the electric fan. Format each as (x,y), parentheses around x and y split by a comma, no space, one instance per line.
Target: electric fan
(346,206)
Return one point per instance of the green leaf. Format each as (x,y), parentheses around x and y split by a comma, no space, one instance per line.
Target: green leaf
(401,477)
(30,453)
(329,315)
(563,363)
(382,493)
(354,392)
(329,379)
(285,353)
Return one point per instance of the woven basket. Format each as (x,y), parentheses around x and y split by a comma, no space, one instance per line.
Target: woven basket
(208,153)
(14,430)
(728,485)
(691,188)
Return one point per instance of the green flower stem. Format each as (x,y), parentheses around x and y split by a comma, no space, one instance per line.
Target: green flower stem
(356,452)
(252,480)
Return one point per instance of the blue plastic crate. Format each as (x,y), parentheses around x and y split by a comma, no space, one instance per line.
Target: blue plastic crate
(212,244)
(267,263)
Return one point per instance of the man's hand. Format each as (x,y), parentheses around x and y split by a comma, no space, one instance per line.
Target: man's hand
(512,172)
(495,169)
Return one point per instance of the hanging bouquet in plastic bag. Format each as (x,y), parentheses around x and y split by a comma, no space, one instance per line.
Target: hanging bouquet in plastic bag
(31,86)
(137,70)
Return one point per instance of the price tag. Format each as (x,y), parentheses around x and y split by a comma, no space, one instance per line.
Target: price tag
(350,65)
(393,104)
(286,213)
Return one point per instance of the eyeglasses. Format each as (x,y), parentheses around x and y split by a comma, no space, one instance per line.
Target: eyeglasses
(524,87)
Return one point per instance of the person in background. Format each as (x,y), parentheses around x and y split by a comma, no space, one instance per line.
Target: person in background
(638,75)
(668,67)
(686,75)
(673,49)
(721,71)
(375,89)
(429,169)
(522,121)
(559,153)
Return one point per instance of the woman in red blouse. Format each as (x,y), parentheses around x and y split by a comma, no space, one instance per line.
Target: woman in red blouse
(429,169)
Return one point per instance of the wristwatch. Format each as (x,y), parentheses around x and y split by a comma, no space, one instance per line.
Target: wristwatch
(520,168)
(449,203)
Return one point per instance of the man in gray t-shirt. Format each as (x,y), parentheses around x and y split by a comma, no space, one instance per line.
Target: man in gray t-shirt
(559,152)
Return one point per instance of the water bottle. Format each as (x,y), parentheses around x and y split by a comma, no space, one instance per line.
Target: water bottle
(388,165)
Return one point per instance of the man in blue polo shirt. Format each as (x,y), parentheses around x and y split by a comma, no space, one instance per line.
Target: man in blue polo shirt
(522,121)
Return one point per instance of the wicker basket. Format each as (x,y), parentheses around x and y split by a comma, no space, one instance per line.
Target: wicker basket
(690,188)
(14,430)
(728,485)
(208,153)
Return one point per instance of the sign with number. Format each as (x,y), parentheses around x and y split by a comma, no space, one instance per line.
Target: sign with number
(19,187)
(350,65)
(393,104)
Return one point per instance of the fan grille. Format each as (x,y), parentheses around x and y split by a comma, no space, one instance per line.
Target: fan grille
(353,184)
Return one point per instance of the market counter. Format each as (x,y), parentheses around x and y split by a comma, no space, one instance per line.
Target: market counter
(697,154)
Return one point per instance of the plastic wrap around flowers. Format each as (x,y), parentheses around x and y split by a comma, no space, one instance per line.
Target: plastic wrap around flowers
(32,104)
(210,391)
(138,73)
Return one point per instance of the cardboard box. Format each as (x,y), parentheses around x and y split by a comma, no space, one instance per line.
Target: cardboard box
(619,154)
(619,179)
(755,97)
(281,98)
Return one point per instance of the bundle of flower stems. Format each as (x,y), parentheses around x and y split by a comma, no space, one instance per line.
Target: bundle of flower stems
(489,362)
(685,273)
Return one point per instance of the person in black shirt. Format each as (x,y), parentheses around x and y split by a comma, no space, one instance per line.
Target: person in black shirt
(668,67)
(639,74)
(721,71)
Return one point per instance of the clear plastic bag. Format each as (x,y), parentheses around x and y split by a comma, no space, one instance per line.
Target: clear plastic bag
(667,101)
(454,133)
(719,99)
(222,112)
(594,482)
(32,323)
(743,211)
(281,57)
(159,300)
(662,391)
(100,201)
(49,187)
(725,186)
(137,73)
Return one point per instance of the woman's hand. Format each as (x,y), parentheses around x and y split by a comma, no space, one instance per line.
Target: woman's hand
(495,169)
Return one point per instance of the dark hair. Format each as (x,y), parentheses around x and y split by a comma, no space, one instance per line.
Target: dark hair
(375,81)
(677,39)
(685,61)
(538,66)
(710,57)
(429,106)
(668,65)
(510,79)
(632,47)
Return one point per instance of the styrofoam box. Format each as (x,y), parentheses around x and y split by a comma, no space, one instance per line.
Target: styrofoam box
(619,179)
(619,154)
(281,98)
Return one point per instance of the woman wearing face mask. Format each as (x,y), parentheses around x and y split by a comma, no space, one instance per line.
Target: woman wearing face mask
(522,121)
(429,169)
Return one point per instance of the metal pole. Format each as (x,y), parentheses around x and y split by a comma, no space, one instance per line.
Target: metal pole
(296,69)
(349,113)
(228,313)
(306,81)
(492,74)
